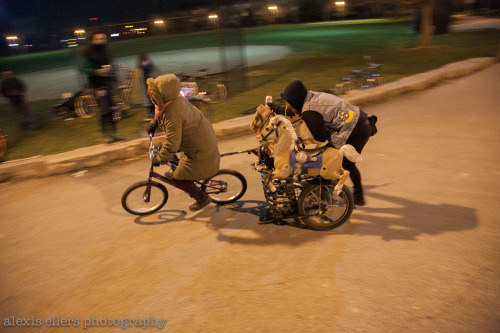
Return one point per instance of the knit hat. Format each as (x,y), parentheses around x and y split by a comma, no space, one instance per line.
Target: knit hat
(295,94)
(164,88)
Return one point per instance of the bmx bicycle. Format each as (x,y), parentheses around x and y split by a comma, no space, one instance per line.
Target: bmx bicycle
(149,196)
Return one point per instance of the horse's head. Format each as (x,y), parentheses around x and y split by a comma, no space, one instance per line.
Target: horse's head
(270,131)
(262,114)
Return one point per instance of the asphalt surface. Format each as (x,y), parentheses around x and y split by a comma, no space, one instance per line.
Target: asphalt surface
(421,256)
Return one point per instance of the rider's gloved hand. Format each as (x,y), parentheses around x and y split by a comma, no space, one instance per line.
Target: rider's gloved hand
(152,129)
(156,161)
(272,106)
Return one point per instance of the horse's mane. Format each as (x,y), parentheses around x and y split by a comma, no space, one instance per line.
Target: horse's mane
(289,127)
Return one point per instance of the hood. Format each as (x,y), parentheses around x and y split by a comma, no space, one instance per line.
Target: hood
(164,88)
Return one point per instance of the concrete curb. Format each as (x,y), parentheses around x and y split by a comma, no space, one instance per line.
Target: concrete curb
(418,81)
(88,157)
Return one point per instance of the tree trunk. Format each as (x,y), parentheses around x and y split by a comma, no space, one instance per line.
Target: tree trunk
(426,26)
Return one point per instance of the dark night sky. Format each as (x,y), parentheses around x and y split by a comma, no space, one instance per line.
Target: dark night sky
(55,15)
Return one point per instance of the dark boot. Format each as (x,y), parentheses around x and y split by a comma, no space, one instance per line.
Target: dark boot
(359,199)
(202,199)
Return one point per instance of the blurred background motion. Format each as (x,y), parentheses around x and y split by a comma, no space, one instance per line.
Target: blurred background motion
(250,49)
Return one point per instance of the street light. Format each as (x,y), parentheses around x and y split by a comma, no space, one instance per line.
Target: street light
(341,6)
(215,19)
(161,26)
(79,34)
(13,41)
(274,11)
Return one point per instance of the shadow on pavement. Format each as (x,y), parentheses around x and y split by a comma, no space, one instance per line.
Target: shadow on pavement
(166,216)
(403,219)
(409,219)
(239,223)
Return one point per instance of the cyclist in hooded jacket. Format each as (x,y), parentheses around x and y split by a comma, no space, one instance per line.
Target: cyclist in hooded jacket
(186,131)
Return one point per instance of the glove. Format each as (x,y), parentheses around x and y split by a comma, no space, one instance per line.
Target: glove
(156,160)
(272,106)
(152,129)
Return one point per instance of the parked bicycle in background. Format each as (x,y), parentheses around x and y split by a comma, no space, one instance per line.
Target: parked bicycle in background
(360,79)
(83,103)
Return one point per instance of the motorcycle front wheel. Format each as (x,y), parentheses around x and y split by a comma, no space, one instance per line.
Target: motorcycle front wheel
(321,209)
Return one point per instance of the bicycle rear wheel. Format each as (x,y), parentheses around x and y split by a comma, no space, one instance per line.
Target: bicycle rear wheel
(144,198)
(321,209)
(215,92)
(86,106)
(225,187)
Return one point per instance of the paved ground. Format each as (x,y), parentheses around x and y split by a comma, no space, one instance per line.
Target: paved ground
(422,256)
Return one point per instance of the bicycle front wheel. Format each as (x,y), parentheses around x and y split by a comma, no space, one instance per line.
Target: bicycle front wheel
(321,209)
(225,187)
(144,198)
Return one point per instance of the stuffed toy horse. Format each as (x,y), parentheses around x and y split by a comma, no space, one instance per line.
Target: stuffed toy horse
(264,113)
(290,159)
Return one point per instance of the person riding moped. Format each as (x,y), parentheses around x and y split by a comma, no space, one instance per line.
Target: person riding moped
(186,131)
(329,117)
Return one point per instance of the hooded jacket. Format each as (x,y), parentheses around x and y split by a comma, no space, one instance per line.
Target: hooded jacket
(186,130)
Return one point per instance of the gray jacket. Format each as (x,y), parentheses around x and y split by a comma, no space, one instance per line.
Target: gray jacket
(340,116)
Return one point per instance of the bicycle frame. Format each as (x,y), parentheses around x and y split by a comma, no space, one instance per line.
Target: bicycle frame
(211,187)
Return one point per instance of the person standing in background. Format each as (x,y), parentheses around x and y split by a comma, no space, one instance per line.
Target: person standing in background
(148,71)
(98,69)
(13,89)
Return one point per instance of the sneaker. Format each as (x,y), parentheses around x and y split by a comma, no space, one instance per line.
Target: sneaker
(202,199)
